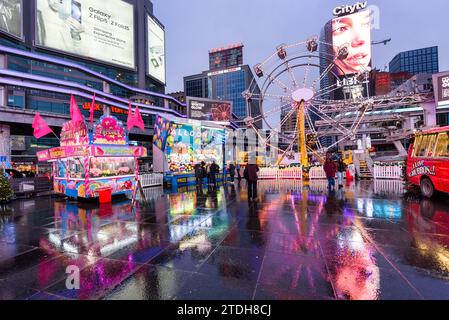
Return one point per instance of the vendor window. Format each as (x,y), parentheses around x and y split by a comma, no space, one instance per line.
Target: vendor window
(76,168)
(111,167)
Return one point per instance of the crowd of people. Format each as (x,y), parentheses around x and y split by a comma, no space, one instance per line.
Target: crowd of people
(209,172)
(334,167)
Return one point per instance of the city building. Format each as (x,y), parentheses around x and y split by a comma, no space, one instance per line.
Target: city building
(417,61)
(181,97)
(441,91)
(382,83)
(42,67)
(226,79)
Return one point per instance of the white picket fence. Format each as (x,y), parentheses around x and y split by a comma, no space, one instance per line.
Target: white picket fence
(151,180)
(390,171)
(317,173)
(389,187)
(294,173)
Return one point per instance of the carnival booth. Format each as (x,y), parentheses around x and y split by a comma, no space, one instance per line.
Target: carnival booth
(179,144)
(88,164)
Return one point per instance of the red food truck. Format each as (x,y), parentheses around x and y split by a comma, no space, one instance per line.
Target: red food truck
(428,161)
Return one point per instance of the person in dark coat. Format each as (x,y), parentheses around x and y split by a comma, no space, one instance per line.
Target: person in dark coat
(250,174)
(341,172)
(232,171)
(330,168)
(214,170)
(199,175)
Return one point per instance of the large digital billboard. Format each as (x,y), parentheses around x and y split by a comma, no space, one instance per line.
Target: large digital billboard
(98,29)
(353,32)
(11,17)
(156,50)
(442,89)
(209,110)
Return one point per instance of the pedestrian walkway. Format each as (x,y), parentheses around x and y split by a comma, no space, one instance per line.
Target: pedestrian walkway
(297,242)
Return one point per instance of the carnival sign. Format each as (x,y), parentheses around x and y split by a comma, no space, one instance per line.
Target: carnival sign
(74,134)
(109,130)
(420,168)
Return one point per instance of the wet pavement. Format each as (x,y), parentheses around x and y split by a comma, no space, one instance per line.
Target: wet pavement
(367,242)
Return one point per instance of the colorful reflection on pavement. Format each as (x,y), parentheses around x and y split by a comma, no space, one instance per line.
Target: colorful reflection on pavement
(297,242)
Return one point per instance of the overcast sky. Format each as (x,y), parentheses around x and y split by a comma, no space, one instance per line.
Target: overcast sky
(195,26)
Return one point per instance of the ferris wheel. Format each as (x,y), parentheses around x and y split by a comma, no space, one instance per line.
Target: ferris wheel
(303,95)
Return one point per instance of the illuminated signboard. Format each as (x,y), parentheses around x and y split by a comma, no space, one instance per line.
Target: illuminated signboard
(43,155)
(231,56)
(349,9)
(120,151)
(216,73)
(58,153)
(109,131)
(98,107)
(209,110)
(74,134)
(443,89)
(11,17)
(99,29)
(156,50)
(354,33)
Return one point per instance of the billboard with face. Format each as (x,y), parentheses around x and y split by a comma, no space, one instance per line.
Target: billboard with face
(98,29)
(11,17)
(156,50)
(353,32)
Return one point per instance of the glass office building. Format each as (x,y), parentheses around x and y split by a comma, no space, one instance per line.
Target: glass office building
(418,61)
(226,79)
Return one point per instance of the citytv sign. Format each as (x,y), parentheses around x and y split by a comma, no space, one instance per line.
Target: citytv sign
(349,9)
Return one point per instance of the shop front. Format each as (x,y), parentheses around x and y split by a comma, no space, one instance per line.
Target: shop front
(179,144)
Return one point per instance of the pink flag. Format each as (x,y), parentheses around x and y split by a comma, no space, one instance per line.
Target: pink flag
(139,121)
(75,112)
(131,122)
(92,110)
(40,127)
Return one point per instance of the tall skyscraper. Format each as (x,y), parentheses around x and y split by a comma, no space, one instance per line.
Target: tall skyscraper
(226,79)
(417,61)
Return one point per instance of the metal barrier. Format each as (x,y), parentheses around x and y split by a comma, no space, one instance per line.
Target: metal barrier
(29,186)
(151,180)
(389,187)
(317,173)
(293,173)
(389,170)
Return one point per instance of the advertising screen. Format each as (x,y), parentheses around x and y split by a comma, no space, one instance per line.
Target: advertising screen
(443,89)
(11,17)
(209,110)
(98,29)
(354,32)
(187,145)
(156,50)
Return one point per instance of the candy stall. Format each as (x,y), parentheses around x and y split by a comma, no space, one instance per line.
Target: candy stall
(179,144)
(89,162)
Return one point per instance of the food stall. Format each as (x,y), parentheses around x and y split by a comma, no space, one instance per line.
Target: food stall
(179,144)
(88,162)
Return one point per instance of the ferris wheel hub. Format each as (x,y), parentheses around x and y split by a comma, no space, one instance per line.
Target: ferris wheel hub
(303,94)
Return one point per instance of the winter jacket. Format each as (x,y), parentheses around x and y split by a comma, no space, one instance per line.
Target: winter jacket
(251,171)
(330,168)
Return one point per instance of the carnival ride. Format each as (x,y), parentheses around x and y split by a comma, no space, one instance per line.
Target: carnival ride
(302,86)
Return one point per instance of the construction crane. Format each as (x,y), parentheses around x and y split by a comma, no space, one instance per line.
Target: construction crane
(384,42)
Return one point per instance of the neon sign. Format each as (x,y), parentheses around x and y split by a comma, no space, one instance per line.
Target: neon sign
(349,9)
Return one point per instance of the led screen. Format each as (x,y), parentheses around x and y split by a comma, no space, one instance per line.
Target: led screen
(11,17)
(156,50)
(98,29)
(354,32)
